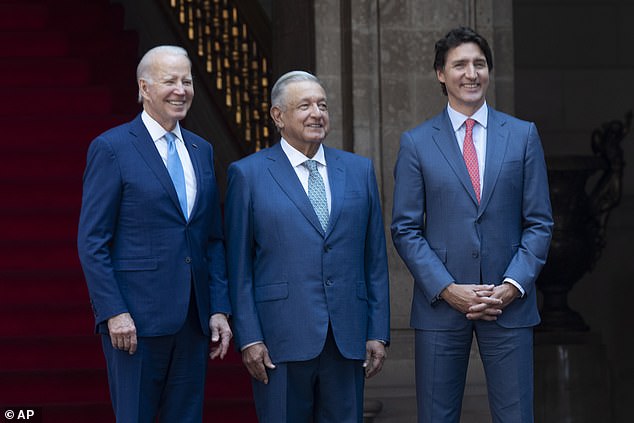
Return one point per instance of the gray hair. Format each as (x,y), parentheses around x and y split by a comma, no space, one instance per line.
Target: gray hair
(279,89)
(147,61)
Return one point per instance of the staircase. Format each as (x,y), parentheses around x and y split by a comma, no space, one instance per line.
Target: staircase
(68,69)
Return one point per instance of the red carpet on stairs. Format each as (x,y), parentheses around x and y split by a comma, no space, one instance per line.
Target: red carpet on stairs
(70,68)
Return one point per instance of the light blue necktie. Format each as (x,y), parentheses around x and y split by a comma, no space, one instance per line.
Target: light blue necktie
(175,169)
(317,193)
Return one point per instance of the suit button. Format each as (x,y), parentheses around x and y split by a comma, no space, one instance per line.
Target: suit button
(329,282)
(327,248)
(475,254)
(188,260)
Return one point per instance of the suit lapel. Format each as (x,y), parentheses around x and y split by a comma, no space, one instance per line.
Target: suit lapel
(337,182)
(146,148)
(285,176)
(497,143)
(445,139)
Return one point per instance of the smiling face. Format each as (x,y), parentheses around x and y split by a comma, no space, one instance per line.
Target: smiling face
(167,89)
(466,77)
(302,118)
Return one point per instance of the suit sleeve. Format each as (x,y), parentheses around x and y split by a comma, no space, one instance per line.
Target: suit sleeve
(97,224)
(240,245)
(536,217)
(376,268)
(219,289)
(408,223)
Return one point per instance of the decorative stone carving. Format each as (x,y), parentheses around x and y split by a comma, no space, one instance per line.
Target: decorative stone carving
(580,217)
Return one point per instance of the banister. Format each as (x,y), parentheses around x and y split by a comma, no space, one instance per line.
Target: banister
(232,42)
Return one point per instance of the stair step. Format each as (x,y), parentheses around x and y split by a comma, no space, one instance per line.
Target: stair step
(52,352)
(51,386)
(58,256)
(23,16)
(41,14)
(51,320)
(88,16)
(93,45)
(42,191)
(60,71)
(34,287)
(35,164)
(34,44)
(50,133)
(66,101)
(36,229)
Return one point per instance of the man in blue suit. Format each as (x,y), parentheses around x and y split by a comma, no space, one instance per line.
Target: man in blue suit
(307,266)
(472,222)
(151,245)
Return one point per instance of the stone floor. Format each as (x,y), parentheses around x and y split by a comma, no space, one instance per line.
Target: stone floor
(572,383)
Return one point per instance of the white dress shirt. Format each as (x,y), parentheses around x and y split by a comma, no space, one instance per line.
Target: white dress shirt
(157,132)
(481,117)
(479,134)
(297,159)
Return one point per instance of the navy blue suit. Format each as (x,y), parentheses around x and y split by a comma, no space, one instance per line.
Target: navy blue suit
(292,284)
(443,235)
(140,254)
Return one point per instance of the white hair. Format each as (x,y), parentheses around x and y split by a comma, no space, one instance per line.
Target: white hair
(146,63)
(278,93)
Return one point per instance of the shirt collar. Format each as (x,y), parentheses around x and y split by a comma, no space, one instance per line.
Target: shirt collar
(457,119)
(156,130)
(297,158)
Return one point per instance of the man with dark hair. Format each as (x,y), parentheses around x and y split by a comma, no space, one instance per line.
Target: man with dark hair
(454,39)
(307,266)
(472,221)
(151,246)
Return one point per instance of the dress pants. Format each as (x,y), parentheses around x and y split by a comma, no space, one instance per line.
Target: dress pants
(326,389)
(165,378)
(442,358)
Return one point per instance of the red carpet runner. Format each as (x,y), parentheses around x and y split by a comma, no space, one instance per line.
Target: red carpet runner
(68,70)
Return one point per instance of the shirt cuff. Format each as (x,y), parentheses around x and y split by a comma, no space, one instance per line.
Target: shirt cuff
(516,285)
(250,345)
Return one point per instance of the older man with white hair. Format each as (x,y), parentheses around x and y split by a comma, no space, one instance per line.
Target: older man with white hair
(151,245)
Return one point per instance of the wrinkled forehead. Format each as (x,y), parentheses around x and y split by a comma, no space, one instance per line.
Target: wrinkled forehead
(300,91)
(171,65)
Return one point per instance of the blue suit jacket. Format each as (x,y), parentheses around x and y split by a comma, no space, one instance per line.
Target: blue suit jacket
(139,253)
(287,277)
(444,236)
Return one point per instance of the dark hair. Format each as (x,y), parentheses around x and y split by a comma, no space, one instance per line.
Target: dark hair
(455,38)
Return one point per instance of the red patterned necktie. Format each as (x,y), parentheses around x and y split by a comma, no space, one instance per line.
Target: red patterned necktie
(471,158)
